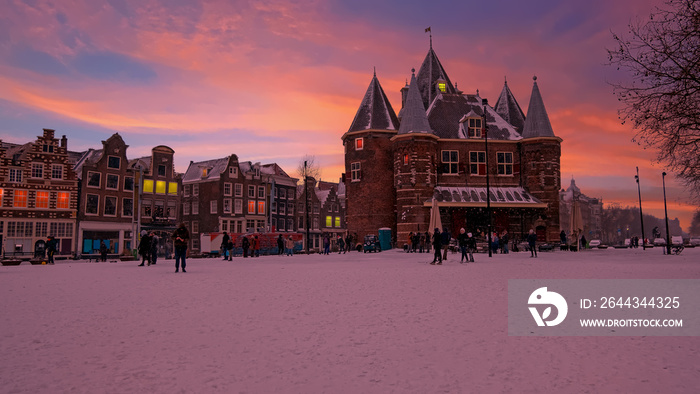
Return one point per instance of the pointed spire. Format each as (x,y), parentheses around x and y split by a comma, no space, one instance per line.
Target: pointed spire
(509,109)
(429,73)
(375,111)
(537,121)
(414,118)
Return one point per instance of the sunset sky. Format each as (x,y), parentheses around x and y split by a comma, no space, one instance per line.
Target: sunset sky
(272,81)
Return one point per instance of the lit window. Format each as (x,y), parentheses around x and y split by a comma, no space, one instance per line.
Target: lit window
(172,188)
(337,221)
(441,86)
(477,163)
(261,206)
(63,200)
(37,170)
(20,199)
(205,171)
(405,159)
(148,185)
(450,159)
(504,160)
(160,187)
(474,128)
(358,144)
(251,206)
(355,171)
(329,221)
(42,200)
(2,197)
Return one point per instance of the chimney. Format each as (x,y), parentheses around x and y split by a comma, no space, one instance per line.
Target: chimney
(64,142)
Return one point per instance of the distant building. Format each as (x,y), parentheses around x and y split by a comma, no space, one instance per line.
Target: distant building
(38,196)
(326,212)
(396,165)
(591,211)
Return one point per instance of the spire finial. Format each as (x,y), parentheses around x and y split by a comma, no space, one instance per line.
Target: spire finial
(429,30)
(505,78)
(375,71)
(534,78)
(413,71)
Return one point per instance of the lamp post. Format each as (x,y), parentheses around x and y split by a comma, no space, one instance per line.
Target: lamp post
(306,208)
(488,186)
(641,216)
(668,236)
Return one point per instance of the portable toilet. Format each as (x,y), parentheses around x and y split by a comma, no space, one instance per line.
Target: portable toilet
(385,238)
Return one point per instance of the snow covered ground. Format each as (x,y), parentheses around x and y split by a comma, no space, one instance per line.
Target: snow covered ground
(354,323)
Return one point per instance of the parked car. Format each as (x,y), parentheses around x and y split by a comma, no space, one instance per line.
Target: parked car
(676,240)
(371,244)
(659,242)
(594,243)
(695,241)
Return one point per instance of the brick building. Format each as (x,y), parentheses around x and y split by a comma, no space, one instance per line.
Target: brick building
(38,196)
(326,212)
(106,203)
(435,149)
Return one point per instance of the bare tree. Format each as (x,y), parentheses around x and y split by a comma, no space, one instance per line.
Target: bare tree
(312,168)
(695,224)
(662,99)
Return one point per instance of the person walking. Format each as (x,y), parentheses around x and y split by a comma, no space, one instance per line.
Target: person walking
(421,242)
(326,244)
(471,247)
(224,244)
(348,242)
(280,245)
(437,245)
(289,246)
(180,237)
(427,241)
(409,242)
(256,246)
(504,242)
(462,240)
(562,238)
(341,244)
(245,245)
(445,242)
(584,243)
(229,247)
(532,242)
(145,248)
(51,248)
(154,247)
(103,251)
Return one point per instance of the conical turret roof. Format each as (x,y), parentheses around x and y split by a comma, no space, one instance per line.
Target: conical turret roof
(430,71)
(414,118)
(509,109)
(375,111)
(537,121)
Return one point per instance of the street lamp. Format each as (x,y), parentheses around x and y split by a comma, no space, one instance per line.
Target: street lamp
(306,206)
(668,236)
(488,186)
(641,216)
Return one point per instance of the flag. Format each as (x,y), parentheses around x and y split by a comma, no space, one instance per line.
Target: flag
(428,29)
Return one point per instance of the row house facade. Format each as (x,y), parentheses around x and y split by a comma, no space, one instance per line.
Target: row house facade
(38,196)
(326,211)
(237,197)
(106,201)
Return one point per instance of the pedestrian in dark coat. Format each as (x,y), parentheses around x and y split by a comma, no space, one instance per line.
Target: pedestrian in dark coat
(224,244)
(437,244)
(471,247)
(445,242)
(154,247)
(103,251)
(326,244)
(145,248)
(427,241)
(348,242)
(51,248)
(280,245)
(180,238)
(245,244)
(256,246)
(532,243)
(462,239)
(341,245)
(229,246)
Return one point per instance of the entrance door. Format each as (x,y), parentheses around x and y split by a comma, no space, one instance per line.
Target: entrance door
(541,233)
(39,248)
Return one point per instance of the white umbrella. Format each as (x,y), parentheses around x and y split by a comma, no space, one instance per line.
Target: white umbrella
(576,223)
(435,221)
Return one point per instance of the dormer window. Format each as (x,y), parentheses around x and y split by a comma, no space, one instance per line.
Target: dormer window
(205,172)
(441,87)
(474,128)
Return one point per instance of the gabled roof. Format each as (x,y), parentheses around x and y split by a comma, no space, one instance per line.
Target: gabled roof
(537,121)
(509,109)
(89,157)
(448,109)
(214,169)
(430,71)
(375,111)
(413,117)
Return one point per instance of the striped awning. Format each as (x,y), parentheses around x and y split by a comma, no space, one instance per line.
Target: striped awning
(501,197)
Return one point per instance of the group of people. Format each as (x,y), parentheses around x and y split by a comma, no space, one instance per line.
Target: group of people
(467,244)
(419,242)
(148,248)
(500,243)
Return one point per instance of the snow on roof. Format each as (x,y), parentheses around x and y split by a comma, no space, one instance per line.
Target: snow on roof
(537,121)
(375,111)
(516,196)
(214,169)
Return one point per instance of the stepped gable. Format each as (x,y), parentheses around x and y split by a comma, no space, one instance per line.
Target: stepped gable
(430,71)
(375,112)
(537,121)
(414,118)
(509,109)
(448,109)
